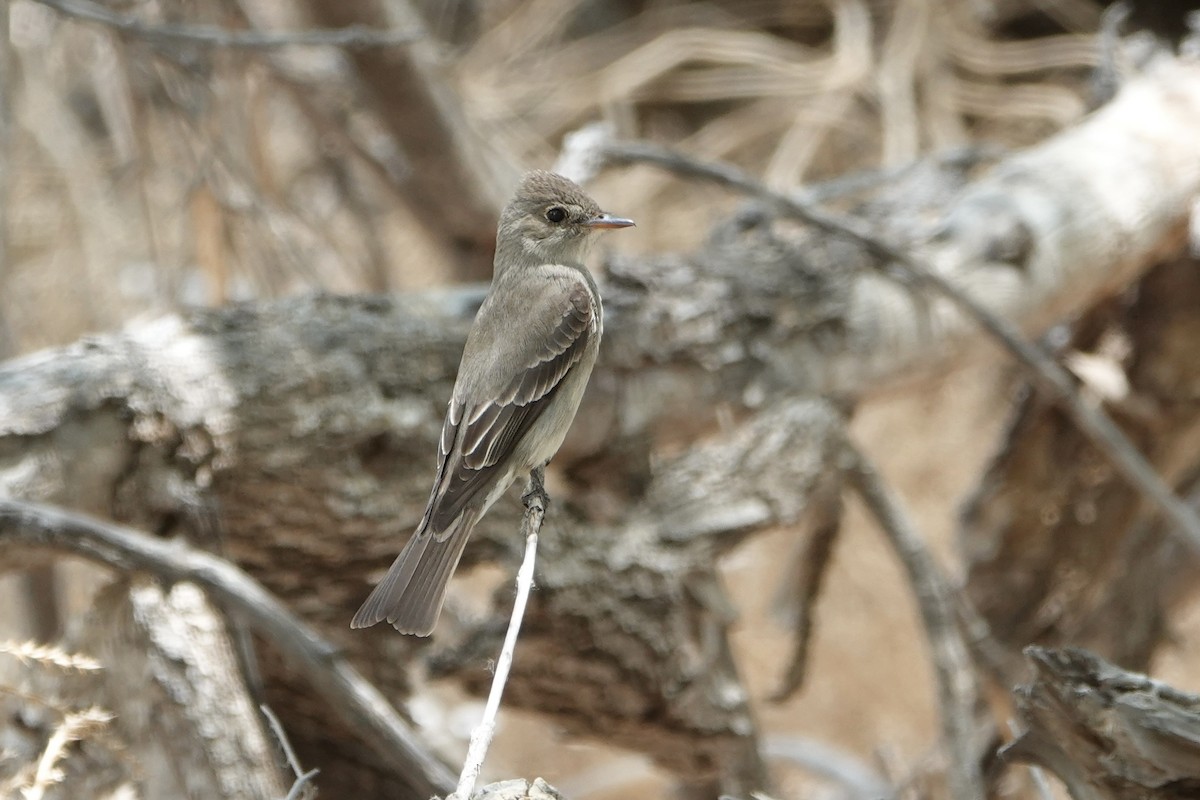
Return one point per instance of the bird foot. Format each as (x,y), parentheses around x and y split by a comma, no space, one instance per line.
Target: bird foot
(537,489)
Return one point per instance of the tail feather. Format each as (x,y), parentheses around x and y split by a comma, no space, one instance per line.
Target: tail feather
(410,596)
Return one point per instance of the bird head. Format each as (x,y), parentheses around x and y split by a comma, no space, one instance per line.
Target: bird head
(550,220)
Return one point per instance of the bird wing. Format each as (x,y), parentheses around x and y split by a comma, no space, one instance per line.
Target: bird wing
(493,409)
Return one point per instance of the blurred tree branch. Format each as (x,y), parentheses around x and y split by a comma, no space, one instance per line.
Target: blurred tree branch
(452,178)
(350,37)
(1054,379)
(457,176)
(1106,733)
(305,425)
(165,670)
(959,690)
(32,526)
(1049,507)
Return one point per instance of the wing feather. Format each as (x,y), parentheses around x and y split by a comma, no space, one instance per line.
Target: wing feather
(477,439)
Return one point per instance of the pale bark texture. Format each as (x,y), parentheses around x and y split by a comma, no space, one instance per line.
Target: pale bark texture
(184,722)
(297,437)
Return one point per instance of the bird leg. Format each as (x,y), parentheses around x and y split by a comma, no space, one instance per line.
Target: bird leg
(537,488)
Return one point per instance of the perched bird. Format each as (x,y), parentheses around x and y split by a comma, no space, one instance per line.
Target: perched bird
(523,371)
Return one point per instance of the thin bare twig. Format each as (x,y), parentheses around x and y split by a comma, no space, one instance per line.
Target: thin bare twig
(481,738)
(812,563)
(281,736)
(359,703)
(351,36)
(851,183)
(957,684)
(302,781)
(302,778)
(1091,419)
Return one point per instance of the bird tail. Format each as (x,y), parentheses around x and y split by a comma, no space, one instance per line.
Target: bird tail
(410,596)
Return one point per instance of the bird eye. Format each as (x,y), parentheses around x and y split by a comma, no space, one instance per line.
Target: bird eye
(556,214)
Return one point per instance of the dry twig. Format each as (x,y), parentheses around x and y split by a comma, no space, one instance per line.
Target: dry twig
(303,778)
(481,738)
(957,683)
(812,563)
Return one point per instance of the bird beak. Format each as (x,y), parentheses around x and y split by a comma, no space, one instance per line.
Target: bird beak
(606,220)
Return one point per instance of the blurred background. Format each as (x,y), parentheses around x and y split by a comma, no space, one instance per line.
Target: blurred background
(142,173)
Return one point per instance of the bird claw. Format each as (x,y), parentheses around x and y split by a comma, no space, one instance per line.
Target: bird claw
(537,488)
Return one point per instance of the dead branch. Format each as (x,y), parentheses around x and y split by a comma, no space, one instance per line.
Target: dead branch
(1106,733)
(957,683)
(330,407)
(811,562)
(303,779)
(1091,419)
(183,709)
(167,672)
(1049,508)
(536,501)
(30,525)
(457,175)
(657,674)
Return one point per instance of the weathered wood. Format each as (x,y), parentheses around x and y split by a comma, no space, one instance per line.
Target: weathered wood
(184,723)
(1058,548)
(297,437)
(1108,734)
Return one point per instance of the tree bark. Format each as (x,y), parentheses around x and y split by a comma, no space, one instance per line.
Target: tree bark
(1059,549)
(1106,733)
(297,437)
(184,723)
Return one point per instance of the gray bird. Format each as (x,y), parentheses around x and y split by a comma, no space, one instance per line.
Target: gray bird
(523,371)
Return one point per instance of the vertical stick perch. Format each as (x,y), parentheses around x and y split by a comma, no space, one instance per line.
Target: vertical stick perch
(481,738)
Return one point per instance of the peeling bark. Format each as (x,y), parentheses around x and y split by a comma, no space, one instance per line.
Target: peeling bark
(1108,734)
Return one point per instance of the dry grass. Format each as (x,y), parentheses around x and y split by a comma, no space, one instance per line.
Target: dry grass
(35,778)
(143,180)
(147,178)
(48,656)
(33,782)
